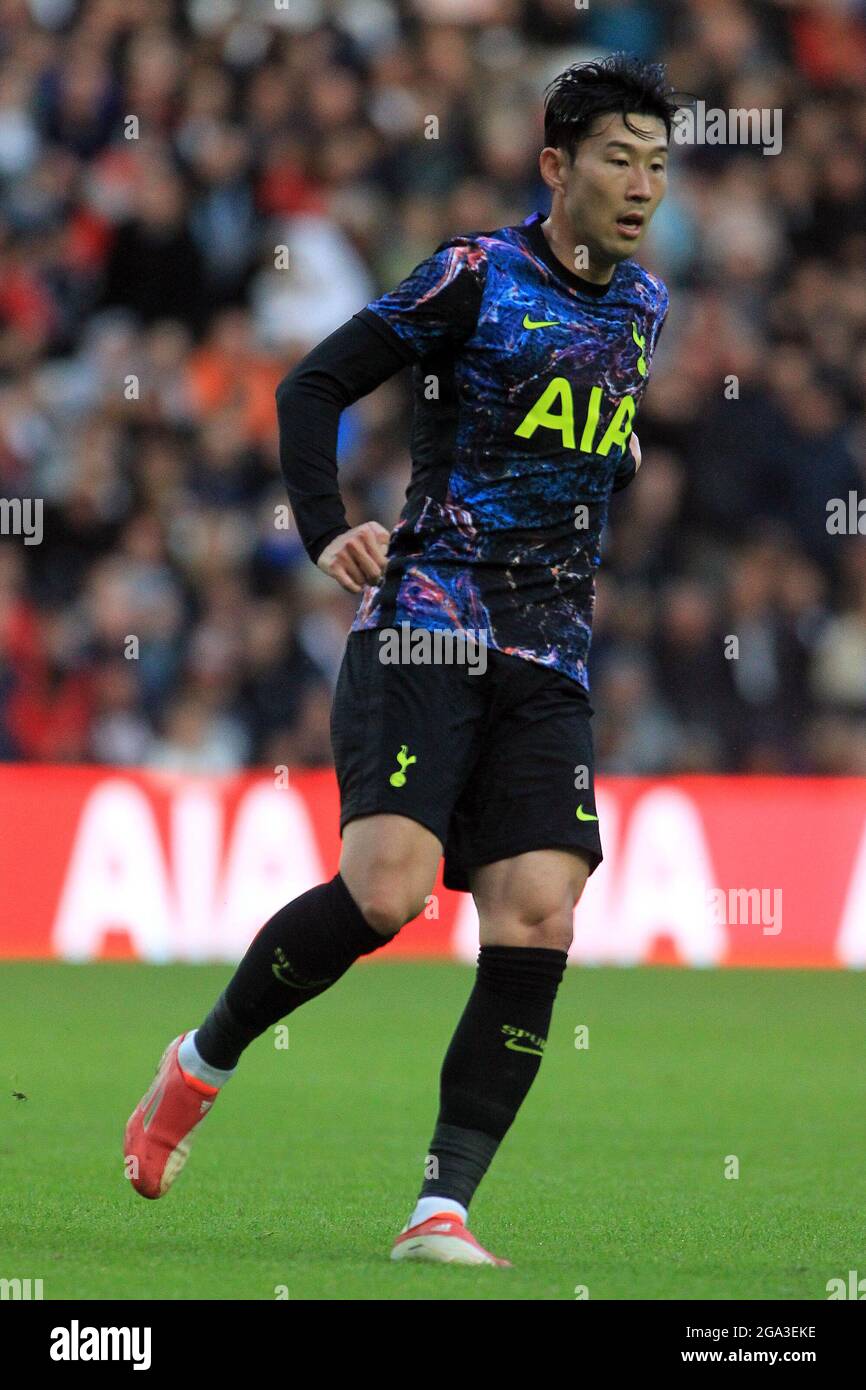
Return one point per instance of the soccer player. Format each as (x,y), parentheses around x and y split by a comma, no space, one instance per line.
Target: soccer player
(531,347)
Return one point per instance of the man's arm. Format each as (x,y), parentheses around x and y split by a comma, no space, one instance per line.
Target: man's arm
(437,303)
(345,366)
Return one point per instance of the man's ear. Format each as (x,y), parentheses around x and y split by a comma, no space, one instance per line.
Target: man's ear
(553,166)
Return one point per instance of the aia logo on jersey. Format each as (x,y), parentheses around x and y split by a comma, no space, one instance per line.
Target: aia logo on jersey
(554,410)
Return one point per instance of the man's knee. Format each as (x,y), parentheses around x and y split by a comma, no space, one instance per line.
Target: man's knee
(389,896)
(389,866)
(386,911)
(530,899)
(551,930)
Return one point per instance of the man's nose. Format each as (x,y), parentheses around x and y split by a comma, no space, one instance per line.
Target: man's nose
(640,186)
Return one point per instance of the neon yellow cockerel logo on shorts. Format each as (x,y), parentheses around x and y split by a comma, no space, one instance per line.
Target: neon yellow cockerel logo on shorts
(398,779)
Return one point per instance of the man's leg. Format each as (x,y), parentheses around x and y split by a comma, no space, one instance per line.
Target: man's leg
(525,906)
(387,867)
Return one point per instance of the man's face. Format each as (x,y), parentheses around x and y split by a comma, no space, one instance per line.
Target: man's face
(614,185)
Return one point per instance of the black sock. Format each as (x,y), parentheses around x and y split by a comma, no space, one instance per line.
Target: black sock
(491,1063)
(298,954)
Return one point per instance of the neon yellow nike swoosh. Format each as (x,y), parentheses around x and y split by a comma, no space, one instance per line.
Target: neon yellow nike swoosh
(542,323)
(584,815)
(516,1047)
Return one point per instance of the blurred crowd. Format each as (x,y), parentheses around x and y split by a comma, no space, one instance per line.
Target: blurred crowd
(194,192)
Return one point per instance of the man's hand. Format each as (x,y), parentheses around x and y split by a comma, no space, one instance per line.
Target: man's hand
(635,449)
(356,557)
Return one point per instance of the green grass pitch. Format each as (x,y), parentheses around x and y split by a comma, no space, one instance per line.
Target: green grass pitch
(612,1178)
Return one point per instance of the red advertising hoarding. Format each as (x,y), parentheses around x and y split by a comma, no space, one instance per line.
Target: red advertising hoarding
(700,871)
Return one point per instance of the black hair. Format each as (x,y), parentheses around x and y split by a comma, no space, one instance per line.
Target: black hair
(617,85)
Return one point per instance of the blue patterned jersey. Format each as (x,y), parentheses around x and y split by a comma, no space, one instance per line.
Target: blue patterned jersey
(526,383)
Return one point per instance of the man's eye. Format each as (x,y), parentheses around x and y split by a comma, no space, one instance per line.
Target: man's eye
(623,163)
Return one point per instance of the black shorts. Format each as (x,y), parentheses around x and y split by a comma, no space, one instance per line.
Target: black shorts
(494,764)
